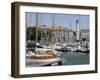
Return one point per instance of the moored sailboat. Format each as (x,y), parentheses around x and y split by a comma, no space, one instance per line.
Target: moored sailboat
(41,55)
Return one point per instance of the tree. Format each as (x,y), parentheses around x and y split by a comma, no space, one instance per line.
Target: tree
(31,33)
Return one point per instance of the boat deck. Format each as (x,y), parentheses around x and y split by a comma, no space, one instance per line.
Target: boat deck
(59,62)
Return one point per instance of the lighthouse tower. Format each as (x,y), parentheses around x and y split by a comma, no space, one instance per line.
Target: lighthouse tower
(77,30)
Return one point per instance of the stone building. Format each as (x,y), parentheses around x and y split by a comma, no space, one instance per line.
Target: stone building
(84,35)
(60,34)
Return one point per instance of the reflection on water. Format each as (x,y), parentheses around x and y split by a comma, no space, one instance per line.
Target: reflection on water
(75,58)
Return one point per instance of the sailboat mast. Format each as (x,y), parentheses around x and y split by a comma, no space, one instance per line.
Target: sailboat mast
(37,28)
(27,38)
(53,24)
(36,32)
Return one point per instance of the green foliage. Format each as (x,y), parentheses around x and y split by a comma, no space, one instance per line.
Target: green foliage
(31,34)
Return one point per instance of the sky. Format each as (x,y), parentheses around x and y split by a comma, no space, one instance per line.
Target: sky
(66,20)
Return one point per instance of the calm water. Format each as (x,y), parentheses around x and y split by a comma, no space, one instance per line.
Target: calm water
(75,58)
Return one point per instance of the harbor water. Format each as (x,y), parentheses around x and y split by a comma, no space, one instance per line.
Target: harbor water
(75,58)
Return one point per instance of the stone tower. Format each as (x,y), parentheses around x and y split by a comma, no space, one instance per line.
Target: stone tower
(77,29)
